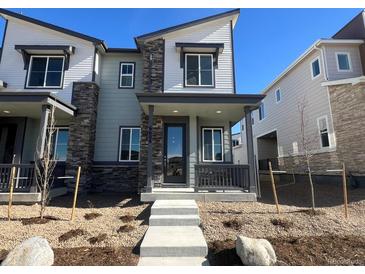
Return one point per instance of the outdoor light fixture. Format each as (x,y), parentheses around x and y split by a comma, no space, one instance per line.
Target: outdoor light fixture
(6,111)
(175,111)
(218,111)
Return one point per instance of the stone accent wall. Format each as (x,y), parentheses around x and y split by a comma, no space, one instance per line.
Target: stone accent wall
(157,49)
(82,133)
(348,112)
(115,178)
(157,154)
(319,163)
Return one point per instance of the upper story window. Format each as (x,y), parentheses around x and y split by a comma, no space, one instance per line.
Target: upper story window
(343,61)
(126,79)
(60,144)
(212,145)
(262,111)
(45,72)
(129,144)
(323,131)
(199,70)
(278,95)
(315,68)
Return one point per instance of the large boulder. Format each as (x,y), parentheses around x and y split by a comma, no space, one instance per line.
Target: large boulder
(34,251)
(255,251)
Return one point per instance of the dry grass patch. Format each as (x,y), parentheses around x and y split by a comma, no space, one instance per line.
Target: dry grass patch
(234,224)
(98,239)
(127,218)
(92,215)
(71,234)
(125,228)
(282,223)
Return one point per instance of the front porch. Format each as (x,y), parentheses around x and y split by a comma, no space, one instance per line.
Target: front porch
(24,117)
(186,147)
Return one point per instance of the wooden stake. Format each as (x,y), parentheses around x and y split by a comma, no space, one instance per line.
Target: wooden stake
(344,185)
(76,190)
(11,183)
(274,188)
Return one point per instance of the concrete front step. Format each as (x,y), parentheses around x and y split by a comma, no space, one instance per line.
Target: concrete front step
(174,207)
(173,261)
(174,220)
(174,241)
(200,196)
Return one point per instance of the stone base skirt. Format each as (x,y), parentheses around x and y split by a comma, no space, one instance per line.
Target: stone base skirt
(115,178)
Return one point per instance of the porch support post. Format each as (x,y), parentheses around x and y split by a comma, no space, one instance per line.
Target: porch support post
(250,150)
(46,110)
(193,150)
(149,186)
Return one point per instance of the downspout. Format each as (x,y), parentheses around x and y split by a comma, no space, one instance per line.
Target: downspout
(150,73)
(322,52)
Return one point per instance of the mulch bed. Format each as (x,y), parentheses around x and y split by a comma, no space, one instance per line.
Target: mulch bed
(71,234)
(98,239)
(125,228)
(127,218)
(102,256)
(282,223)
(323,250)
(92,215)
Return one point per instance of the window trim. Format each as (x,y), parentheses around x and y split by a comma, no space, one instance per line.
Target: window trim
(130,144)
(337,53)
(45,78)
(319,65)
(57,128)
(133,75)
(199,70)
(276,97)
(319,132)
(222,144)
(263,105)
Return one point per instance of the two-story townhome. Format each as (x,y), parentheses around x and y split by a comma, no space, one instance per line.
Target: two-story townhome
(327,79)
(146,119)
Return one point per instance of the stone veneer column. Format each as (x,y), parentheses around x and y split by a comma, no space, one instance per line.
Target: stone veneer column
(153,65)
(82,133)
(348,113)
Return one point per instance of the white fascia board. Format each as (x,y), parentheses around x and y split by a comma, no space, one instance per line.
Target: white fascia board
(352,81)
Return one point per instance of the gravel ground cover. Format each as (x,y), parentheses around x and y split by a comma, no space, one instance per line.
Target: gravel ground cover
(300,238)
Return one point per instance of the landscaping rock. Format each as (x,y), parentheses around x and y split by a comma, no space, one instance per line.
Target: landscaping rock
(255,251)
(34,251)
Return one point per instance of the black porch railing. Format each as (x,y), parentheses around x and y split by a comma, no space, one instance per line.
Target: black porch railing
(23,180)
(221,177)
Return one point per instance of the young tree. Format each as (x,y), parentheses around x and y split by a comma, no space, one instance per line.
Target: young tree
(307,143)
(44,162)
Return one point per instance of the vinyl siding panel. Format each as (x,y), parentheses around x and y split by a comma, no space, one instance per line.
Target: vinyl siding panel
(23,33)
(333,73)
(213,32)
(284,116)
(116,107)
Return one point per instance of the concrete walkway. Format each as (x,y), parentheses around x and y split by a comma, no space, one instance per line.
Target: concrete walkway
(174,237)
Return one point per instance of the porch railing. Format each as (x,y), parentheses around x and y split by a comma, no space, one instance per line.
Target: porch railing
(23,180)
(221,177)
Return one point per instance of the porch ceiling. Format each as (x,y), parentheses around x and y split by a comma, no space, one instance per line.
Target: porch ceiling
(220,107)
(29,104)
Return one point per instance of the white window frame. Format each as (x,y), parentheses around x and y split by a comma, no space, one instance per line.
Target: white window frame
(262,105)
(199,69)
(130,144)
(57,129)
(319,65)
(46,71)
(213,155)
(348,58)
(126,74)
(319,132)
(276,95)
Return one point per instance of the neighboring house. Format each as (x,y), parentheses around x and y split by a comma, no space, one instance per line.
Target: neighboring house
(329,77)
(237,151)
(159,115)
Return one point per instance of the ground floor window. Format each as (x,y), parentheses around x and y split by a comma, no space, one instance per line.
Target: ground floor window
(212,144)
(60,143)
(323,131)
(129,144)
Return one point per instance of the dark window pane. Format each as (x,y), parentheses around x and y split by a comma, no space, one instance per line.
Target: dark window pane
(315,68)
(343,62)
(62,145)
(135,136)
(53,79)
(192,70)
(125,136)
(39,64)
(127,69)
(36,79)
(208,153)
(124,155)
(218,152)
(325,140)
(126,81)
(134,152)
(206,78)
(192,78)
(206,62)
(192,62)
(55,64)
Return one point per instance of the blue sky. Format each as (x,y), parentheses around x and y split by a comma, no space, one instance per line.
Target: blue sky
(266,40)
